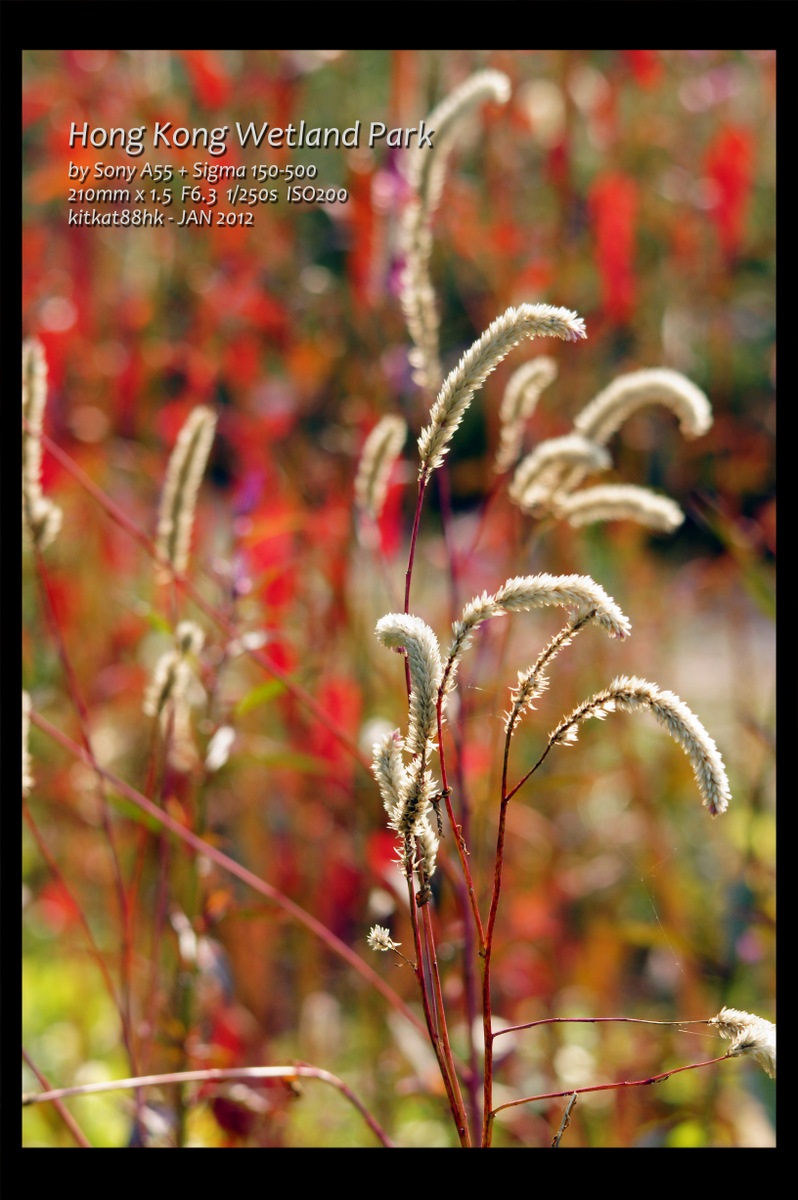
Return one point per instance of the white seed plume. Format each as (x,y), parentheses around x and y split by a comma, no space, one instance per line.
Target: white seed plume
(407,791)
(389,770)
(40,516)
(536,476)
(417,298)
(189,637)
(426,171)
(618,502)
(526,321)
(426,850)
(379,938)
(519,401)
(27,776)
(409,817)
(658,385)
(526,592)
(425,167)
(748,1034)
(631,694)
(570,591)
(219,748)
(179,499)
(169,683)
(398,630)
(532,682)
(173,676)
(380,451)
(607,411)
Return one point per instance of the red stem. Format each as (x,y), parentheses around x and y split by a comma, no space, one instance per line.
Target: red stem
(605,1087)
(300,1071)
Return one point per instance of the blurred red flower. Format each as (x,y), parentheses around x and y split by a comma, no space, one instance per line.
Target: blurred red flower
(612,203)
(729,164)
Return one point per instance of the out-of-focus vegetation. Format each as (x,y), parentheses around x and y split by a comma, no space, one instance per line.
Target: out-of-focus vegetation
(634,187)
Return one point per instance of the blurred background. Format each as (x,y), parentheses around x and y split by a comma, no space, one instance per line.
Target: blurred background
(635,187)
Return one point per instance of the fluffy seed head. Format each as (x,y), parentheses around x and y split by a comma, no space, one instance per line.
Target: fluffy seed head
(518,403)
(618,502)
(379,938)
(631,694)
(401,631)
(426,850)
(426,171)
(189,638)
(389,769)
(41,518)
(526,592)
(380,451)
(537,475)
(426,168)
(173,676)
(526,321)
(183,476)
(27,777)
(626,394)
(570,591)
(170,681)
(748,1034)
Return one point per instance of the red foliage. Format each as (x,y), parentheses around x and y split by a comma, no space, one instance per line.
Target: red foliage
(646,67)
(208,77)
(729,163)
(613,201)
(361,220)
(271,551)
(390,520)
(341,697)
(56,906)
